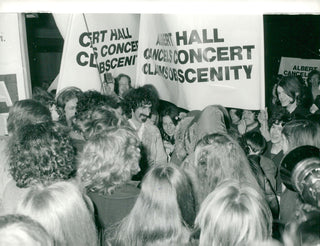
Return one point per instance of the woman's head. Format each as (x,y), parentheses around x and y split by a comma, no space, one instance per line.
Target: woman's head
(169,119)
(314,78)
(25,112)
(219,157)
(300,132)
(41,153)
(164,210)
(63,211)
(17,229)
(235,213)
(67,100)
(109,160)
(289,90)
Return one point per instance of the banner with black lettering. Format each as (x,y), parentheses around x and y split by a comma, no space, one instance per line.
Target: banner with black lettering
(298,67)
(97,46)
(197,60)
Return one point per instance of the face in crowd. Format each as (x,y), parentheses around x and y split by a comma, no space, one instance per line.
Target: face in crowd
(249,117)
(275,132)
(168,125)
(142,113)
(70,108)
(284,98)
(315,80)
(123,85)
(54,112)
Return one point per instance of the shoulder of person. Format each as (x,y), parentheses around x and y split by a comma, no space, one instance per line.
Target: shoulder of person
(151,128)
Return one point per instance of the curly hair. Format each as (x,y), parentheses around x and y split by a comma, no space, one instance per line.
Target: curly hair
(92,99)
(26,111)
(109,159)
(136,98)
(41,95)
(41,153)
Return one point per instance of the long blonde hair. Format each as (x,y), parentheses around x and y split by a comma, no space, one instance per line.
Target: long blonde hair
(219,157)
(62,210)
(235,213)
(164,211)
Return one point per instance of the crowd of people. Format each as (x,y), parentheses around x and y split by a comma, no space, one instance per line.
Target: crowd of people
(127,169)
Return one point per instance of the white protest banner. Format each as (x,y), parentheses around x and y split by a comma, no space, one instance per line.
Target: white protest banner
(14,66)
(198,60)
(97,44)
(296,66)
(71,74)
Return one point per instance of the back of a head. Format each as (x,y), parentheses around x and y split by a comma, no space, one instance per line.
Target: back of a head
(235,213)
(21,230)
(26,111)
(41,153)
(219,157)
(213,119)
(62,210)
(164,210)
(108,160)
(301,132)
(41,95)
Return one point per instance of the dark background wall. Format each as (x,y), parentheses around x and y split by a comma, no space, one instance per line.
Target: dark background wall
(289,36)
(45,45)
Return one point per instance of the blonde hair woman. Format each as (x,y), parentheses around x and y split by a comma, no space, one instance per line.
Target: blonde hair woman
(107,164)
(219,157)
(235,213)
(63,211)
(164,211)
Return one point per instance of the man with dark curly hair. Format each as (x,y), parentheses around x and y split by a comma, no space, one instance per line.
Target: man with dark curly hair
(38,154)
(137,106)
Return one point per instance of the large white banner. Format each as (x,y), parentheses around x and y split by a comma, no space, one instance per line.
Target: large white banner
(197,60)
(298,67)
(95,45)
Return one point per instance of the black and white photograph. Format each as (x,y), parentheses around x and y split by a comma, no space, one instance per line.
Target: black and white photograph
(160,123)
